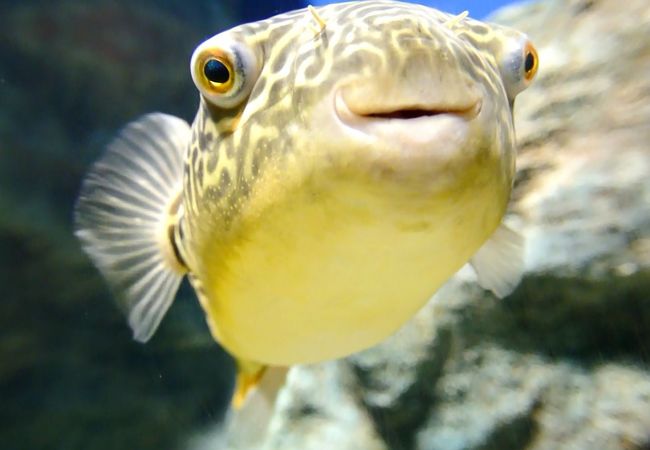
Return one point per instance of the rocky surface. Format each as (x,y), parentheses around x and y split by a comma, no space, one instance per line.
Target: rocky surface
(562,363)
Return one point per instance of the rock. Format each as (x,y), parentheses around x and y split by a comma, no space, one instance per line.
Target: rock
(327,416)
(564,361)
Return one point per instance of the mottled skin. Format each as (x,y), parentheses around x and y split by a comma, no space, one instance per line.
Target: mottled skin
(299,67)
(262,177)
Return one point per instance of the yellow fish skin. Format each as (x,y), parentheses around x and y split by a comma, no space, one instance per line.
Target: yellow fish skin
(344,162)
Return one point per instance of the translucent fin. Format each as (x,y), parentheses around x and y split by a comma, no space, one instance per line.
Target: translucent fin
(247,424)
(499,262)
(122,217)
(248,377)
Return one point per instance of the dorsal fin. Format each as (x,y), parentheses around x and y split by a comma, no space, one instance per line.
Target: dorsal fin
(125,216)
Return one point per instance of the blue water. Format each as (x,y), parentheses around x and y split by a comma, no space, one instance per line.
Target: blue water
(477,9)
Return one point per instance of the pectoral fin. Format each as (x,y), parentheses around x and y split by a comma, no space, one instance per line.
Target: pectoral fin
(123,217)
(499,263)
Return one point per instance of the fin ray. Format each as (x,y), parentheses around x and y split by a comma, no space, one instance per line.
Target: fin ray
(121,181)
(156,147)
(149,311)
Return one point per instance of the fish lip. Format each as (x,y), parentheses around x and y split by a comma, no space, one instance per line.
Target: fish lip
(403,113)
(429,136)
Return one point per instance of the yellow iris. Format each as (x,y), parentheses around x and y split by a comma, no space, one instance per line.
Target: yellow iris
(217,74)
(531,62)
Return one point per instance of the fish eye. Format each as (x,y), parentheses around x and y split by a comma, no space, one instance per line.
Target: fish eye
(214,72)
(224,71)
(517,60)
(531,62)
(217,72)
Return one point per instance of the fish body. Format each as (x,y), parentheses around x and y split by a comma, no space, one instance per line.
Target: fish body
(344,162)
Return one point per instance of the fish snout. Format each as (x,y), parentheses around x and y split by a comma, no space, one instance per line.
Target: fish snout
(424,82)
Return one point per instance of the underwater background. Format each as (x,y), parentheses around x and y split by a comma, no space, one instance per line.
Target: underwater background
(562,363)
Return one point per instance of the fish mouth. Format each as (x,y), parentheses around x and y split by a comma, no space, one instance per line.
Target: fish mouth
(348,111)
(408,113)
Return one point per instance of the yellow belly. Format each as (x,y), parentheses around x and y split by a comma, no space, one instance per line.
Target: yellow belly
(326,274)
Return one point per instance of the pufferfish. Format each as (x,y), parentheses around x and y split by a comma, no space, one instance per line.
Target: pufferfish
(344,162)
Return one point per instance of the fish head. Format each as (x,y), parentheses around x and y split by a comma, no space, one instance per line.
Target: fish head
(383,90)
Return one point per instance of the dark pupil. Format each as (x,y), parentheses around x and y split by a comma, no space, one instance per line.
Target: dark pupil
(216,71)
(530,62)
